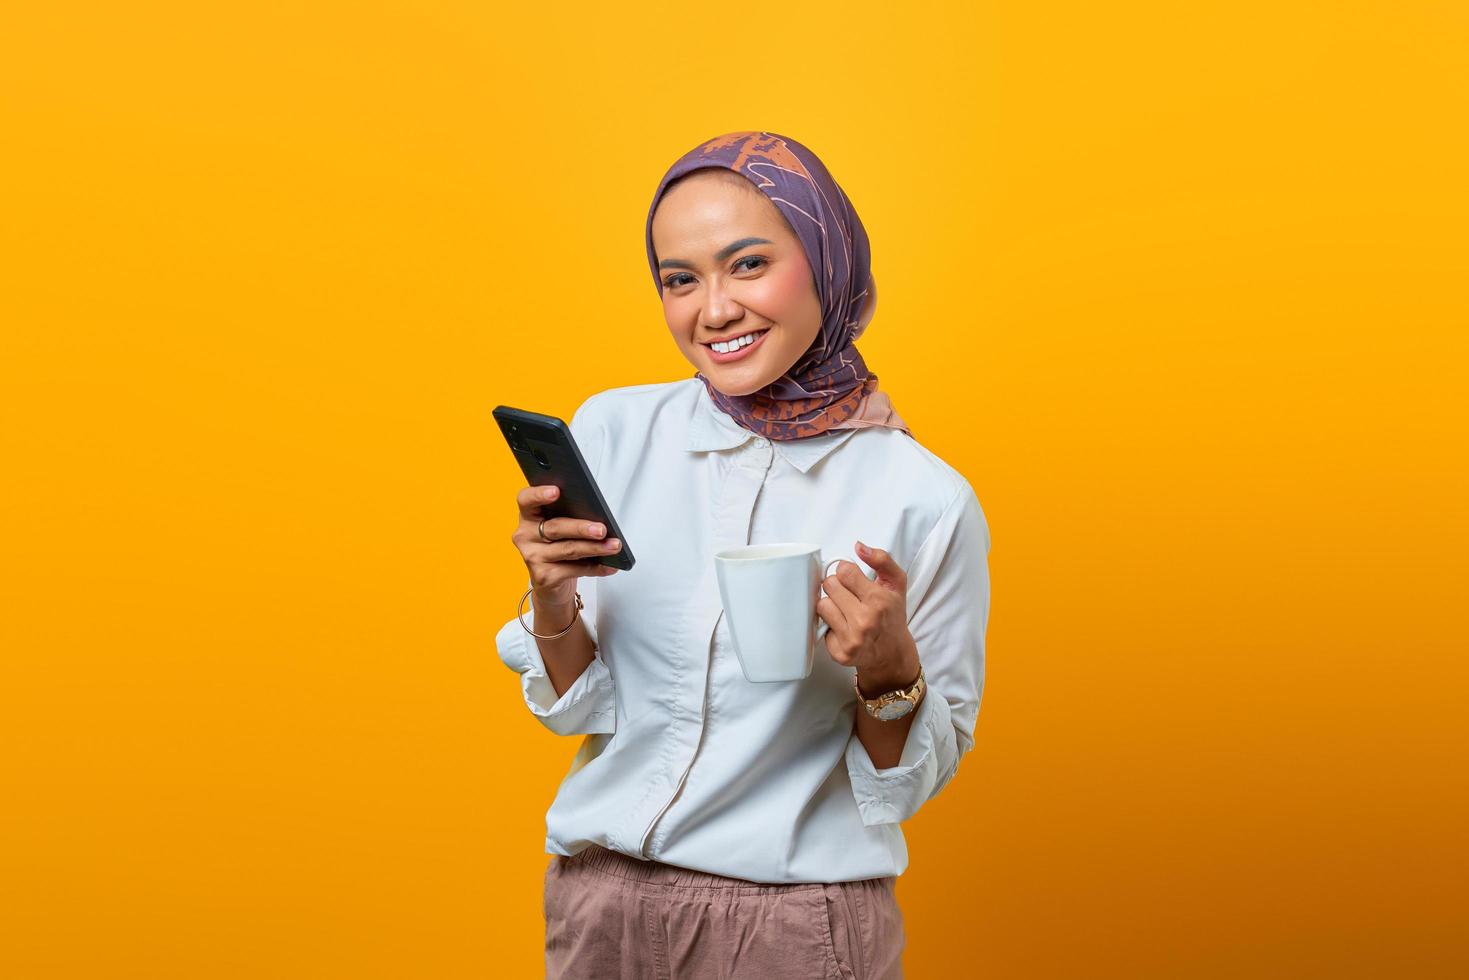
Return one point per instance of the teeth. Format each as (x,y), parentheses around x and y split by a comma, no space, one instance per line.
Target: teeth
(735,344)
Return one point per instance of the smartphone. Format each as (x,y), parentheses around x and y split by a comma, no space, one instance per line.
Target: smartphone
(547,454)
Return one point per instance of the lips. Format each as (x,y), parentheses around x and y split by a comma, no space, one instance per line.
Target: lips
(710,343)
(739,354)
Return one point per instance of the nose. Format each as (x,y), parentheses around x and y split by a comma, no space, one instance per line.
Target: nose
(719,307)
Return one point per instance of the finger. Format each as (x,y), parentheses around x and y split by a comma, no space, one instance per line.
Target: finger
(530,500)
(595,568)
(586,568)
(832,614)
(856,580)
(837,591)
(836,622)
(580,567)
(563,528)
(838,651)
(578,549)
(889,573)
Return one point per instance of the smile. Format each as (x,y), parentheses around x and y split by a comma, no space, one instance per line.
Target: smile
(735,354)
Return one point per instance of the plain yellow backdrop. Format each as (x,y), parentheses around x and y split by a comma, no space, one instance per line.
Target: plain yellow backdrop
(1180,289)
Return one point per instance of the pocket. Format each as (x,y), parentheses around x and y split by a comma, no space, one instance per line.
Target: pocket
(657,933)
(838,923)
(548,882)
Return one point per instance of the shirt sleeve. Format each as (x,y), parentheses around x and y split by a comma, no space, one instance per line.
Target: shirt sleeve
(948,611)
(589,704)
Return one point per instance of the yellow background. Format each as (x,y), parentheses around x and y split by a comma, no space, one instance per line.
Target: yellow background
(1180,288)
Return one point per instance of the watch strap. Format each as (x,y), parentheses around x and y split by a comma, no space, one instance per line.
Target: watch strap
(911,694)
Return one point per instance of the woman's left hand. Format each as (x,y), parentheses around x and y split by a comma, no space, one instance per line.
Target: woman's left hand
(868,622)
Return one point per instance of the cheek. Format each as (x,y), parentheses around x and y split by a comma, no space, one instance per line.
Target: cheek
(679,312)
(787,292)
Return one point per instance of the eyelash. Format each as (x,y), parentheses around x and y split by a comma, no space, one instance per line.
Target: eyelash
(669,282)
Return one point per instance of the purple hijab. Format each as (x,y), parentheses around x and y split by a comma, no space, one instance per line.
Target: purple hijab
(829,386)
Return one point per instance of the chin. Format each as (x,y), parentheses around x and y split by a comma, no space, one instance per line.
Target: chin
(732,385)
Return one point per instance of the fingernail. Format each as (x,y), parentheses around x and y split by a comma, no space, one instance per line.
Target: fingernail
(550,492)
(595,530)
(611,544)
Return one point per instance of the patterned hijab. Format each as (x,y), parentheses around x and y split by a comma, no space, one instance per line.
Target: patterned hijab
(829,386)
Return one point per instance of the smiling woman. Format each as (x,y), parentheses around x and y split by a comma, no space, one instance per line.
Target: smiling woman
(748,232)
(754,290)
(710,825)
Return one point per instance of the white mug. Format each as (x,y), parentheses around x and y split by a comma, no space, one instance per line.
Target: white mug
(769,593)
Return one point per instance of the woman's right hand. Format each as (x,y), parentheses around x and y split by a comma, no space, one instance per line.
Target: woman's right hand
(555,565)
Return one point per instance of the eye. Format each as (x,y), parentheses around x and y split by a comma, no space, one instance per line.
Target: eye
(678,278)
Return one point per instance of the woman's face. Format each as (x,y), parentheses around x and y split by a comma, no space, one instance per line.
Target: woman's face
(732,267)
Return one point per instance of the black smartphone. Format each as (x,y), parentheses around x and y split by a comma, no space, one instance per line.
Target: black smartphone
(547,454)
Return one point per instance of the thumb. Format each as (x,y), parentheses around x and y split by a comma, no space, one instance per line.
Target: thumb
(889,574)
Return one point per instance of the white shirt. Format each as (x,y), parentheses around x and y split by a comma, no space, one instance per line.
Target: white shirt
(687,762)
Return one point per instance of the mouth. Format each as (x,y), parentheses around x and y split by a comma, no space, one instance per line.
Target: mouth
(736,355)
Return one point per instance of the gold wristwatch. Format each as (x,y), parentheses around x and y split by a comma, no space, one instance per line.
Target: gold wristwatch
(893,704)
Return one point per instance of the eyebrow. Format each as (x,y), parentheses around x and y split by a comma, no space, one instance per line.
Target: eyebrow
(719,256)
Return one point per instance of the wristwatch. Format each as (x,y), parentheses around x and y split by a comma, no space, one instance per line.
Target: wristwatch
(893,704)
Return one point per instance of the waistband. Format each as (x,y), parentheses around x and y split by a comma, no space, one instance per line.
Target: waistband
(621,865)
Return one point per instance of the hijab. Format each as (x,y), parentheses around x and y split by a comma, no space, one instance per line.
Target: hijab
(829,386)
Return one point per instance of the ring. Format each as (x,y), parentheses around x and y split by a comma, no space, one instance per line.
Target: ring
(540,529)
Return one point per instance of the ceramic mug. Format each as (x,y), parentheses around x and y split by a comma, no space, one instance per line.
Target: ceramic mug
(769,593)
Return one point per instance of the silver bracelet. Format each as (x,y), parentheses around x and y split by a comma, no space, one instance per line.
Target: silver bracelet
(575,615)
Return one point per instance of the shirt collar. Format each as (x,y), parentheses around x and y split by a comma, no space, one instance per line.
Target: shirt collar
(711,428)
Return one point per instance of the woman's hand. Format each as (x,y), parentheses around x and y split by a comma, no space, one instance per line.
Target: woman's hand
(555,565)
(868,622)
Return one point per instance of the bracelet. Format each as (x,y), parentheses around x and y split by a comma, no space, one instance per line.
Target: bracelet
(575,615)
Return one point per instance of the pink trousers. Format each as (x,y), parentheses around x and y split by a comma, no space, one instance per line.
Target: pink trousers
(610,916)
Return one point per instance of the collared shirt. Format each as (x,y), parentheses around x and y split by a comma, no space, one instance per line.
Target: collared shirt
(685,761)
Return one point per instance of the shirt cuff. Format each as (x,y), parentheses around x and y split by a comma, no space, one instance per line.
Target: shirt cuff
(588,706)
(894,794)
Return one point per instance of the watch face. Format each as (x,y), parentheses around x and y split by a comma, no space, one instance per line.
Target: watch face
(897,709)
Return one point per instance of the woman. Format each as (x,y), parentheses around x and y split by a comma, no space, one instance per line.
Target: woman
(713,827)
